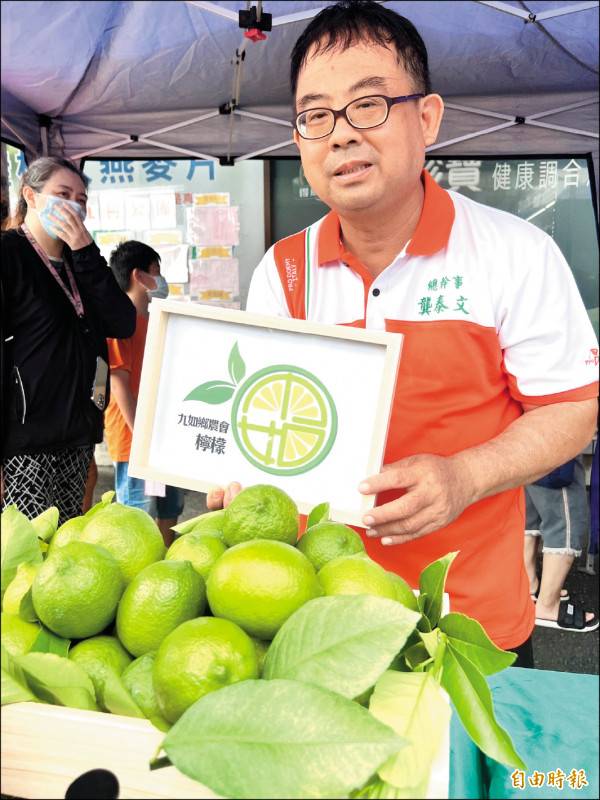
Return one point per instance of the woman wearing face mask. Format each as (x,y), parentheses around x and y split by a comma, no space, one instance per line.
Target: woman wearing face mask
(59,303)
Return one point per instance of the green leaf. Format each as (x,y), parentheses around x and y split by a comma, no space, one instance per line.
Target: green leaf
(430,641)
(319,513)
(343,643)
(137,679)
(115,698)
(284,738)
(423,624)
(48,642)
(46,523)
(18,544)
(14,599)
(413,705)
(189,524)
(26,609)
(213,392)
(431,583)
(383,790)
(472,699)
(58,680)
(14,684)
(468,637)
(105,501)
(415,655)
(236,366)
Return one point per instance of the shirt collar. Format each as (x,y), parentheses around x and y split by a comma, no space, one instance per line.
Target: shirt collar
(431,234)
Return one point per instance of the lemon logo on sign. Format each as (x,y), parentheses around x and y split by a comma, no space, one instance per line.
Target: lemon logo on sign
(283,418)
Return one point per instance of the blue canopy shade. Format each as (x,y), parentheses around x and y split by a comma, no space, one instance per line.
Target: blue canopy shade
(131,79)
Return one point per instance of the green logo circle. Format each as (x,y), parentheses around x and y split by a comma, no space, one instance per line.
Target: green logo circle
(284,420)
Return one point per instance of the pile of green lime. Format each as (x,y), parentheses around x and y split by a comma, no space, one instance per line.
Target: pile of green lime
(154,629)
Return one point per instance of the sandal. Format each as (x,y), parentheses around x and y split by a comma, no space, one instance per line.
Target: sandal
(571,617)
(564,595)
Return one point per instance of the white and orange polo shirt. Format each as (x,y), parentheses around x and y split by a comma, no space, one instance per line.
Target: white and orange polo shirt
(491,318)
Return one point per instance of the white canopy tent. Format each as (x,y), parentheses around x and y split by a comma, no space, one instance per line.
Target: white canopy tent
(179,79)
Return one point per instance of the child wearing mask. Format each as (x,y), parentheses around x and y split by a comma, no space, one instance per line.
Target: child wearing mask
(60,302)
(136,267)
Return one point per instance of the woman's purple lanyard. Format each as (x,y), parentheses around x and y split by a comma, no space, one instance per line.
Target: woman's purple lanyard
(73,295)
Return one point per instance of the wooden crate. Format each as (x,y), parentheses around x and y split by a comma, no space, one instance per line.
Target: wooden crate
(45,748)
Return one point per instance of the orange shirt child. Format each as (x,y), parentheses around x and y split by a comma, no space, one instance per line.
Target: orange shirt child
(128,355)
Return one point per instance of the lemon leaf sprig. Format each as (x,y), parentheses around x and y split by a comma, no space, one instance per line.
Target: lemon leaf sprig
(220,391)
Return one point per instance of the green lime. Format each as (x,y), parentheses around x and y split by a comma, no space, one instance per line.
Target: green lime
(200,549)
(328,540)
(356,574)
(98,656)
(261,512)
(70,531)
(130,534)
(404,594)
(17,635)
(201,656)
(261,652)
(158,599)
(259,584)
(76,590)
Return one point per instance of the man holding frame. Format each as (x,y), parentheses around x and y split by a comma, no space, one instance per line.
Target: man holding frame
(495,387)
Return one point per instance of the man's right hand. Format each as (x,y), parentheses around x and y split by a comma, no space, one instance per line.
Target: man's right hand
(220,498)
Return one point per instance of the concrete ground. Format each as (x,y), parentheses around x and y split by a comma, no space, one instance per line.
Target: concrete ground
(562,651)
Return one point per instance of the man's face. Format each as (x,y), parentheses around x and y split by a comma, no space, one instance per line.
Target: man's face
(364,170)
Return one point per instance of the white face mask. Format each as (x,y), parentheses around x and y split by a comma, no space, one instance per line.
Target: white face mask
(51,202)
(161,288)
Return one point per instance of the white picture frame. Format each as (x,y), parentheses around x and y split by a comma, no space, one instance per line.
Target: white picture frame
(228,395)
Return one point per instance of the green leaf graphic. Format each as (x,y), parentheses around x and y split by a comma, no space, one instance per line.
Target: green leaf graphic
(237,368)
(213,392)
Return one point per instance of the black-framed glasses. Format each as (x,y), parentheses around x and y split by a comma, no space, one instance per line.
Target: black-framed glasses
(364,112)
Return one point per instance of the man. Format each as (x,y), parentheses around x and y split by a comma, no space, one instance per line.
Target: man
(136,267)
(493,390)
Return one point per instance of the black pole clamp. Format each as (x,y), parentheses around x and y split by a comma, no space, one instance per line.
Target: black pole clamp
(249,19)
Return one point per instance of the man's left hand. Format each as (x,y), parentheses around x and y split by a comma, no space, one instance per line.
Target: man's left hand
(437,491)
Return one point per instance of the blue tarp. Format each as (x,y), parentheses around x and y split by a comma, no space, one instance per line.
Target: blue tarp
(132,68)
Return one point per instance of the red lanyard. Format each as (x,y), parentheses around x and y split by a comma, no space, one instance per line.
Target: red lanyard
(74,296)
